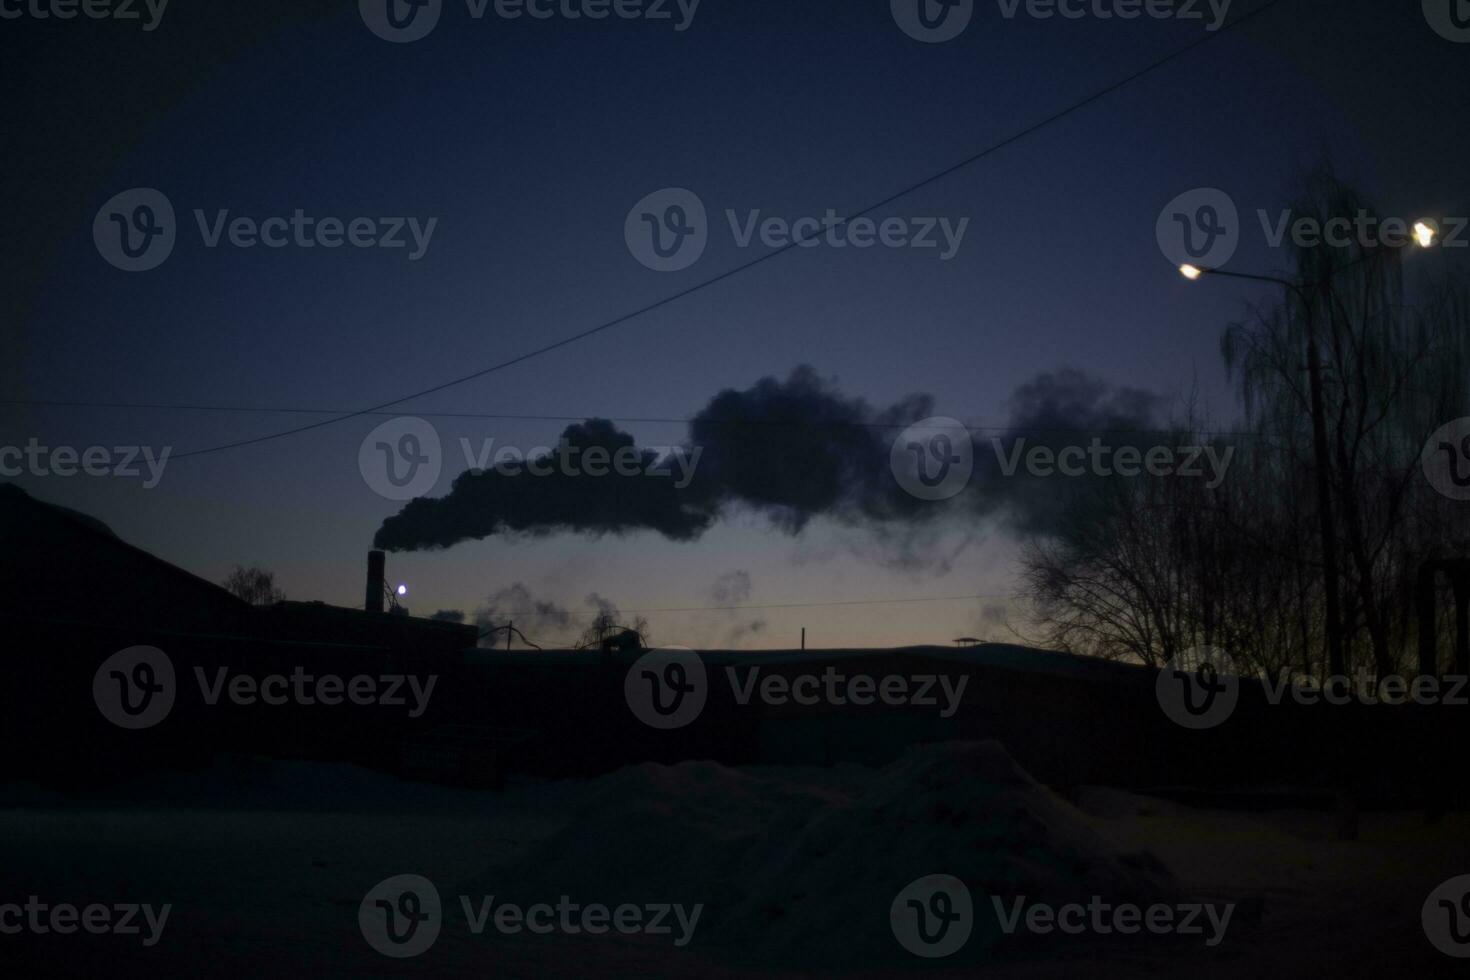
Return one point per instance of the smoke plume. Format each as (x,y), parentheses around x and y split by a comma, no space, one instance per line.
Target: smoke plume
(793,450)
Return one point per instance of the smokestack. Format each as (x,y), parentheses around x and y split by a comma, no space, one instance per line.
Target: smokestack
(375,574)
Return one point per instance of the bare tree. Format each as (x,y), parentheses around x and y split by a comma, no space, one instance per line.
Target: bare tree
(255,585)
(1142,569)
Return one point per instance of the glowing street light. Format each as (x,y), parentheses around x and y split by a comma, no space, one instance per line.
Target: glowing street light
(1425,233)
(403,590)
(1191,272)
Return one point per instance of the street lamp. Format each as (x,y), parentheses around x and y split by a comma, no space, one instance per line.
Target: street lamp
(1424,235)
(1319,453)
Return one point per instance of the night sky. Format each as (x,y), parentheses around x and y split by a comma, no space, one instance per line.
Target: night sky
(529,141)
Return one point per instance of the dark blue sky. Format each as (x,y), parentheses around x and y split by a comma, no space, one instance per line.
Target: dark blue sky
(530,141)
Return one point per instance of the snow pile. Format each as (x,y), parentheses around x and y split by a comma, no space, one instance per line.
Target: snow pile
(803,864)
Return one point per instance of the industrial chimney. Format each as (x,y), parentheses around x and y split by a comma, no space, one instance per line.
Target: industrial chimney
(375,581)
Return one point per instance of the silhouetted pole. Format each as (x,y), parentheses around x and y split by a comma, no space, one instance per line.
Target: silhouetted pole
(1322,459)
(1324,492)
(510,626)
(375,581)
(803,637)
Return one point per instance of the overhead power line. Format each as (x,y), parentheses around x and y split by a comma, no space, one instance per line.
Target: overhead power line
(617,321)
(645,419)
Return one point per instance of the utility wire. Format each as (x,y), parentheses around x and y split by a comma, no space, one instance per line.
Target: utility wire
(766,257)
(266,410)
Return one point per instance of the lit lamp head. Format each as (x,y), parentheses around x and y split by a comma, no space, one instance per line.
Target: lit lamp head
(402,590)
(1425,233)
(1191,272)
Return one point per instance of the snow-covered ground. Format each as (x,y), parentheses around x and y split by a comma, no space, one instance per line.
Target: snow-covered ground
(265,866)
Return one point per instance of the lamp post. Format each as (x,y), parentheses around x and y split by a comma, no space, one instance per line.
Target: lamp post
(1424,236)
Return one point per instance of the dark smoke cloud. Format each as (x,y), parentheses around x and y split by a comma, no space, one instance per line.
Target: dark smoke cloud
(481,504)
(793,450)
(1054,410)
